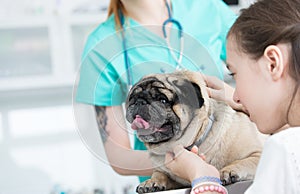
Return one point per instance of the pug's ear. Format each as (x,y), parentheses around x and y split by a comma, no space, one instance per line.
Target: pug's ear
(188,93)
(198,94)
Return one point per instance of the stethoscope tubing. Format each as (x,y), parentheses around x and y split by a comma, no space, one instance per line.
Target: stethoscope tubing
(169,20)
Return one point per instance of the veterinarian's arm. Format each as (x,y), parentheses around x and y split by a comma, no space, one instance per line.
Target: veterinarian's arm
(219,90)
(123,159)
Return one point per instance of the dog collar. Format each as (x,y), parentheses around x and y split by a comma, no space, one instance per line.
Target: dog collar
(208,128)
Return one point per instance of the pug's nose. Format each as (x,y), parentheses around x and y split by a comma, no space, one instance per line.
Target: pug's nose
(140,102)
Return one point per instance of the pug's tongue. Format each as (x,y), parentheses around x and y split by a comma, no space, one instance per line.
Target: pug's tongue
(139,123)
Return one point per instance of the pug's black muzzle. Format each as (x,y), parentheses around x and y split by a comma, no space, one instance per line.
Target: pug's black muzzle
(154,120)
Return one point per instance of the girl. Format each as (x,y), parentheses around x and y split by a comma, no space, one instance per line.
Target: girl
(263,54)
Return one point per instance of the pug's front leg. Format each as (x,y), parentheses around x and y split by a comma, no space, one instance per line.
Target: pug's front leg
(159,182)
(240,170)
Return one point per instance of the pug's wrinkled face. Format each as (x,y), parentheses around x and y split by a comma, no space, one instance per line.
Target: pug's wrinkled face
(152,107)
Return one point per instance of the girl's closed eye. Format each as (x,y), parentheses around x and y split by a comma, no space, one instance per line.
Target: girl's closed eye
(231,74)
(229,69)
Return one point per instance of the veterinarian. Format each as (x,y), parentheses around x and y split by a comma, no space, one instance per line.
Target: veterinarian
(114,59)
(263,54)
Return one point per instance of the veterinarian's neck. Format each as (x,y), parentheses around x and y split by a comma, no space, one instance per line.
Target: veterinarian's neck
(147,12)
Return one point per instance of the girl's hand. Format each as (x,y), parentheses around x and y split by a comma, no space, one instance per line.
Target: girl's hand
(188,165)
(221,91)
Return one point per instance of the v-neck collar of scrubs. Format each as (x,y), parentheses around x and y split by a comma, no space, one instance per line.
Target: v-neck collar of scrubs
(130,22)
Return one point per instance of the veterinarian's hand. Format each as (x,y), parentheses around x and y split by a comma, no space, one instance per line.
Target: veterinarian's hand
(188,165)
(219,90)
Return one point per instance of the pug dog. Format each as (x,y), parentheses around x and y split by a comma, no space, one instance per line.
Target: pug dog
(171,109)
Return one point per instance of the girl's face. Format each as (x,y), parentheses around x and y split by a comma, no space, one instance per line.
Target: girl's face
(256,89)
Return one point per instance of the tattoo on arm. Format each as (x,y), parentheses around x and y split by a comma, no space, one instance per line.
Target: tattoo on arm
(102,122)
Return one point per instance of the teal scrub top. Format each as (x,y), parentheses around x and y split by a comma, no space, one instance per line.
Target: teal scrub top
(103,75)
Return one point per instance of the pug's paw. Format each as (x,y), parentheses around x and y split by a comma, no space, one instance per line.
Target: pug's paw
(229,176)
(150,186)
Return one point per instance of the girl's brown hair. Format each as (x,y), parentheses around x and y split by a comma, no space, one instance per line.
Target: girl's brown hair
(115,7)
(269,22)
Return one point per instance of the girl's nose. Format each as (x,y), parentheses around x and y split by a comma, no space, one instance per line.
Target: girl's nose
(236,97)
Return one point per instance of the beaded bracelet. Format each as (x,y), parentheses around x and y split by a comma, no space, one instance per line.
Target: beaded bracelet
(206,179)
(208,186)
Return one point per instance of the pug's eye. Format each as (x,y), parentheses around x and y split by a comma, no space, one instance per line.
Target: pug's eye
(161,98)
(164,101)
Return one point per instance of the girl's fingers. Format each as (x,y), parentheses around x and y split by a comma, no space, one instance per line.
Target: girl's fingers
(202,156)
(216,94)
(213,82)
(194,149)
(169,157)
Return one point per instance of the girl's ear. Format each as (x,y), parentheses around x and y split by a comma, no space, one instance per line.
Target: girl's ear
(276,60)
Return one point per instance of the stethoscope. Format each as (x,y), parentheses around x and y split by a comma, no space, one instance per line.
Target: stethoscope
(176,59)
